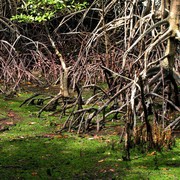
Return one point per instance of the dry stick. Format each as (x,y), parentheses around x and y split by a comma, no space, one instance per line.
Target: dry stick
(88,101)
(79,116)
(170,102)
(52,100)
(112,112)
(7,25)
(108,75)
(141,37)
(64,107)
(174,123)
(116,74)
(80,124)
(161,38)
(97,29)
(73,122)
(148,126)
(67,18)
(66,122)
(96,86)
(132,100)
(108,102)
(88,120)
(100,32)
(79,99)
(84,111)
(156,88)
(37,94)
(71,119)
(163,105)
(105,33)
(154,79)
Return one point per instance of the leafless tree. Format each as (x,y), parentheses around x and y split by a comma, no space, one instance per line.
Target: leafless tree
(133,46)
(139,62)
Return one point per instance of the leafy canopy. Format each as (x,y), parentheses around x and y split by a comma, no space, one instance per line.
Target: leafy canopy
(43,10)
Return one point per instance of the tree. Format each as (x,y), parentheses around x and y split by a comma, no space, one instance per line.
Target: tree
(148,40)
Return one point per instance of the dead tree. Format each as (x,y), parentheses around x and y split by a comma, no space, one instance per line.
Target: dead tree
(144,67)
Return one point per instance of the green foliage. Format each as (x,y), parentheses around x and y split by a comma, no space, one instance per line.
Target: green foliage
(43,10)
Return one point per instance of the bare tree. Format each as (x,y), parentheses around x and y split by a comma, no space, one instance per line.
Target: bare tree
(133,47)
(147,35)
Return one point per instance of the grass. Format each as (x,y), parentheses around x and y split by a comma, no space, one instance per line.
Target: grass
(31,150)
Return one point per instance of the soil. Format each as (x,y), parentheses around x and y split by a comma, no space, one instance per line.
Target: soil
(9,119)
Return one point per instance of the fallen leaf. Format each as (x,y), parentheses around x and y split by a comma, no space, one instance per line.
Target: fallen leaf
(9,123)
(96,137)
(11,114)
(152,154)
(111,170)
(102,160)
(103,170)
(91,138)
(53,136)
(108,140)
(31,123)
(28,83)
(165,169)
(34,173)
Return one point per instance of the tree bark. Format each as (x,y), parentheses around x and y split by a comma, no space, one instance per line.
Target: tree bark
(173,19)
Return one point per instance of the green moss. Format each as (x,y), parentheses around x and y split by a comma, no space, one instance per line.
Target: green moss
(31,150)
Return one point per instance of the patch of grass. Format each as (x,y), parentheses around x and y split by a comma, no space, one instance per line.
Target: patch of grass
(31,150)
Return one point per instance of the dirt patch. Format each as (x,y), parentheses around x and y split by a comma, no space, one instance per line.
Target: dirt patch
(53,90)
(11,118)
(176,133)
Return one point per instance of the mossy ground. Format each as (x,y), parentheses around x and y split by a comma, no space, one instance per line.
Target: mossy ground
(30,149)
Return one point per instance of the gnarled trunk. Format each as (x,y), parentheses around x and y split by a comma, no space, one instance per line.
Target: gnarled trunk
(173,20)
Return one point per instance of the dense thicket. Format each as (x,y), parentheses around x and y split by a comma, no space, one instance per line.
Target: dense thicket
(131,46)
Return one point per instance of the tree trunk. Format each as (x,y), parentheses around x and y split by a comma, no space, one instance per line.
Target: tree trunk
(173,19)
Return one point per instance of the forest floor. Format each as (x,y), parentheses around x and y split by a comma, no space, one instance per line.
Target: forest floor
(30,149)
